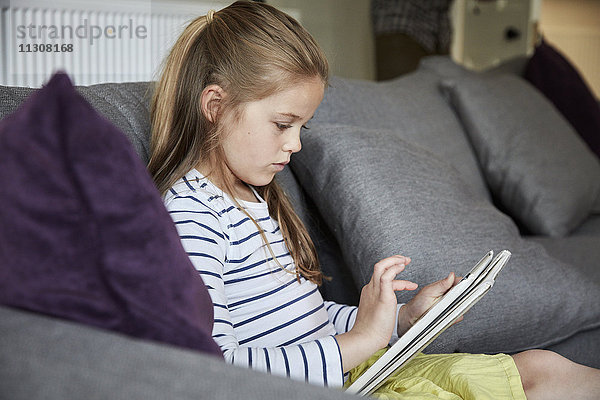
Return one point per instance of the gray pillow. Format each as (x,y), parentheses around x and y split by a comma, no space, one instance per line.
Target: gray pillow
(445,67)
(534,162)
(342,288)
(412,108)
(381,196)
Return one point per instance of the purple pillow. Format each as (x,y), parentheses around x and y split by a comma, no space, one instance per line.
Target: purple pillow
(560,82)
(84,233)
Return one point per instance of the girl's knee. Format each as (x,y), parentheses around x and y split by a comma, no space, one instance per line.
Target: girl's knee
(536,365)
(535,357)
(546,374)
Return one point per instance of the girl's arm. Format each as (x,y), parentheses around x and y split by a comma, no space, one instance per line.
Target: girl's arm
(343,316)
(317,361)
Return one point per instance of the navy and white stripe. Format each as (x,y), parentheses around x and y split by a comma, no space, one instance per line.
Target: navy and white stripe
(264,318)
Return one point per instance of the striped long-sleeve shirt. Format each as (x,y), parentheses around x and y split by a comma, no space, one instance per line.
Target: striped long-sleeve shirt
(264,318)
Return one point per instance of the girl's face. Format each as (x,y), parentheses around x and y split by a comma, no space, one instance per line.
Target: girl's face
(260,143)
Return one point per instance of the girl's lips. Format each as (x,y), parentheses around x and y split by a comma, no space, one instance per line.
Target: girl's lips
(280,166)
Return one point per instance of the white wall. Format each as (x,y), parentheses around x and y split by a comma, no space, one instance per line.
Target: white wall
(343,29)
(573,27)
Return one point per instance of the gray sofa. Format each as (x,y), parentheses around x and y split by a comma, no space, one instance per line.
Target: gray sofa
(386,168)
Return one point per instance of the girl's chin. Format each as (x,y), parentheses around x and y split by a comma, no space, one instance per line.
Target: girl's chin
(262,181)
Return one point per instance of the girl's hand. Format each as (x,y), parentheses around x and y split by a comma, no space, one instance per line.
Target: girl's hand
(423,301)
(376,315)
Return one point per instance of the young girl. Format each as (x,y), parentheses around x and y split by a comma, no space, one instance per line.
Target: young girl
(236,90)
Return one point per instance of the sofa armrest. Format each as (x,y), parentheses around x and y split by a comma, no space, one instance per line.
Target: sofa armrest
(43,357)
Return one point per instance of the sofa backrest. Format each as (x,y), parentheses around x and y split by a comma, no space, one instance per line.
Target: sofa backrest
(53,359)
(127,105)
(444,67)
(410,107)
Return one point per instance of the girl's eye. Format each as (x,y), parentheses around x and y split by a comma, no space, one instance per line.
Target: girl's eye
(282,127)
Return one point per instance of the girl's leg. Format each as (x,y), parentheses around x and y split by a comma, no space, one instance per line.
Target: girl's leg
(547,375)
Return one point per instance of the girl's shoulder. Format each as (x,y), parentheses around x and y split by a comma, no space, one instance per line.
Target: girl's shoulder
(194,192)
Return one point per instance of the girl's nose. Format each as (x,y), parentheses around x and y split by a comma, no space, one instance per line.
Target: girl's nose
(293,144)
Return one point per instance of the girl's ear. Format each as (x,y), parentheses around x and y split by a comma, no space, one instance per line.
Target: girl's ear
(210,102)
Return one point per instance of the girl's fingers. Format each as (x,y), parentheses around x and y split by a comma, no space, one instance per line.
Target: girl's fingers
(381,267)
(457,279)
(395,259)
(403,285)
(458,320)
(390,273)
(383,286)
(389,284)
(440,287)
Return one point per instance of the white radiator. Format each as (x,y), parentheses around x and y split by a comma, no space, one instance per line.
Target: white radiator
(110,41)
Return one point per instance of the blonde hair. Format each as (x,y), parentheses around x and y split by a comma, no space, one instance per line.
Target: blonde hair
(251,50)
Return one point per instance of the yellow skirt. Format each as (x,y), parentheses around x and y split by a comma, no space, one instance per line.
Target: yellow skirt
(449,377)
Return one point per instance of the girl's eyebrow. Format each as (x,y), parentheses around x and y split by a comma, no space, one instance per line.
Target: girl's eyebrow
(290,115)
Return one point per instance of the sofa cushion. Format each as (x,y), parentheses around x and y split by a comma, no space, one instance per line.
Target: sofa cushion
(591,227)
(381,196)
(411,109)
(84,234)
(552,74)
(536,165)
(126,105)
(577,251)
